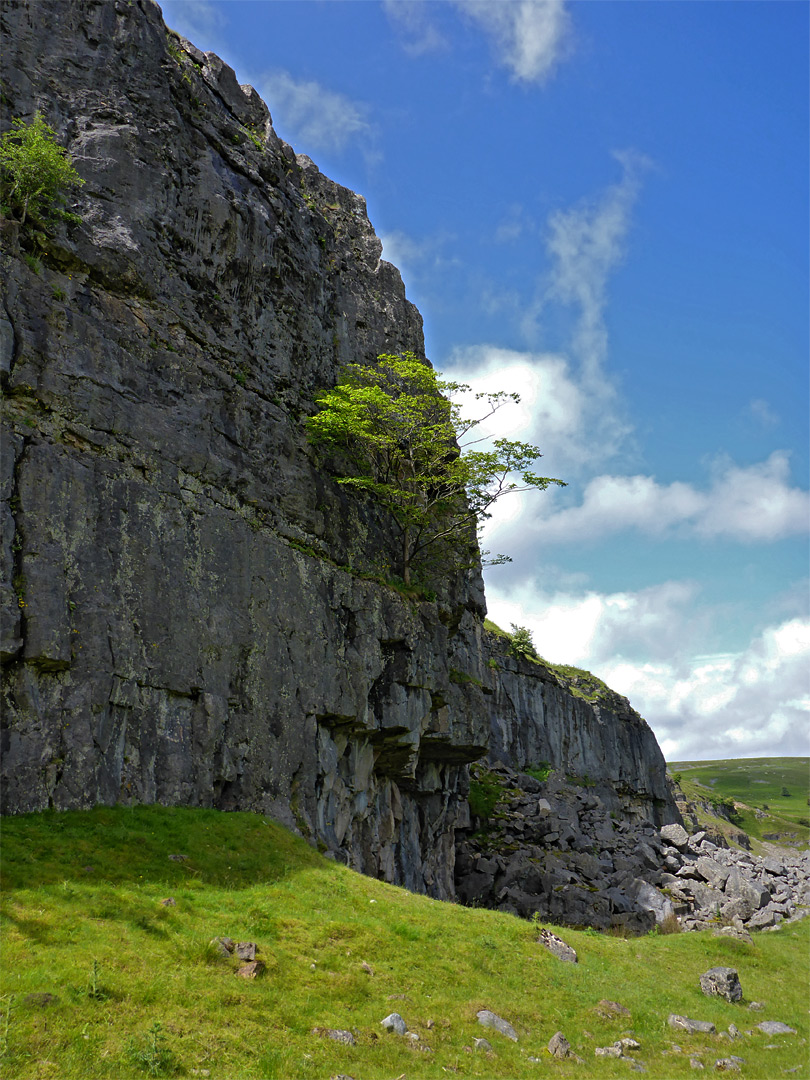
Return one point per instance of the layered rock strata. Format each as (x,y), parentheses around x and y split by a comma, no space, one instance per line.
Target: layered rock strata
(193,611)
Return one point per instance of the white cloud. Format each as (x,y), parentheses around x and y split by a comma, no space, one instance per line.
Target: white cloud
(318,118)
(196,20)
(646,645)
(419,33)
(586,244)
(763,413)
(529,36)
(514,226)
(754,503)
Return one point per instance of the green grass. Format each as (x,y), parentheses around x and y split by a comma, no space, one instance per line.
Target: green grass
(83,921)
(756,783)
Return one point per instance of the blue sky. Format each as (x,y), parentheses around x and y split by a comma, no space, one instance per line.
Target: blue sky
(603,206)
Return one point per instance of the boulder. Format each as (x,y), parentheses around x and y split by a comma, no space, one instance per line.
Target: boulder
(559,1046)
(557,946)
(491,1020)
(721,982)
(648,898)
(675,834)
(775,1027)
(394,1022)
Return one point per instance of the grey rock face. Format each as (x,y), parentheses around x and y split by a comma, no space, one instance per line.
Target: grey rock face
(182,617)
(721,982)
(535,716)
(176,625)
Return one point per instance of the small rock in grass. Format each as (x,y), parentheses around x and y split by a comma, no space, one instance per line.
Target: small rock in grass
(482,1044)
(775,1027)
(696,1063)
(609,1010)
(246,950)
(729,1064)
(608,1051)
(169,901)
(251,970)
(557,946)
(683,1023)
(722,982)
(394,1022)
(734,1032)
(340,1035)
(559,1046)
(490,1019)
(369,970)
(756,1006)
(628,1044)
(179,858)
(223,945)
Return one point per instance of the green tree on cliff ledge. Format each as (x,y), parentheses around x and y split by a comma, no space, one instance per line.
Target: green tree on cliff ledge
(35,173)
(400,440)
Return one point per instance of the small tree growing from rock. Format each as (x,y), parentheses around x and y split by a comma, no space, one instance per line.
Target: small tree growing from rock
(37,173)
(398,437)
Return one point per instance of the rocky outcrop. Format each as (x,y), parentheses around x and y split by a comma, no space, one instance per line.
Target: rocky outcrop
(536,716)
(193,612)
(552,849)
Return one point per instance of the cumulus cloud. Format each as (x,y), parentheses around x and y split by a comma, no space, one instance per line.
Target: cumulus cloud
(318,118)
(754,503)
(529,36)
(646,645)
(554,405)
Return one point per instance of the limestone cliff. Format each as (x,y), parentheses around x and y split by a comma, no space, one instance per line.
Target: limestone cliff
(190,610)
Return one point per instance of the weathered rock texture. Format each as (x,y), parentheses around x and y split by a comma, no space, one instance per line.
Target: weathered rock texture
(553,849)
(183,618)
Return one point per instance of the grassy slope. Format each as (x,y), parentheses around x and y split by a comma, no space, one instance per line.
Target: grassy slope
(755,783)
(85,887)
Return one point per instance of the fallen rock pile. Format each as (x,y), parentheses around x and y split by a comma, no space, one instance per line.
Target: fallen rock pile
(553,848)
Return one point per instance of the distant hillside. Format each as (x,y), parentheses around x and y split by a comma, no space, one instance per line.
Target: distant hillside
(767,798)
